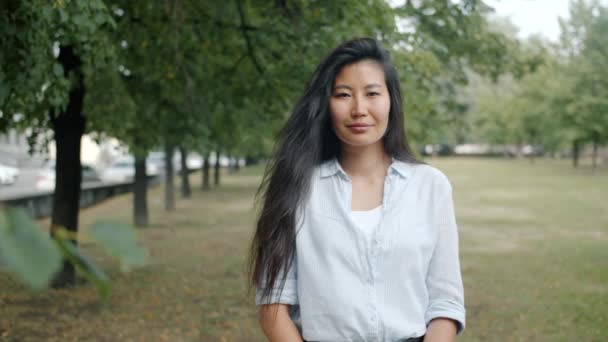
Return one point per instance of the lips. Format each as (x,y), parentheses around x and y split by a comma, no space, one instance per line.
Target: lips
(359,128)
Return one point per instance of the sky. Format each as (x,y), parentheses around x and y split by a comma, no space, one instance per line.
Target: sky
(533,16)
(529,16)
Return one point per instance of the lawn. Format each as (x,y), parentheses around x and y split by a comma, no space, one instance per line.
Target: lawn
(534,254)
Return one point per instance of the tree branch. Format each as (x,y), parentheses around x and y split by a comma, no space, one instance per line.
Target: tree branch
(250,50)
(251,53)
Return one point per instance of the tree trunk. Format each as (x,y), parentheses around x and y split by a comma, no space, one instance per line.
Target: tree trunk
(575,152)
(519,152)
(532,157)
(231,167)
(533,145)
(594,155)
(140,189)
(217,169)
(68,128)
(169,189)
(185,173)
(205,182)
(237,166)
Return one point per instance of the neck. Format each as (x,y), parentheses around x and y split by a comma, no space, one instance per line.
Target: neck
(364,161)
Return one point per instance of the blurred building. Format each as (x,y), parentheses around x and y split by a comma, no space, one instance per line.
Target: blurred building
(14,151)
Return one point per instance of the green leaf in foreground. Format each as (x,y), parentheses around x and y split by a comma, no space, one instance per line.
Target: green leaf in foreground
(120,241)
(27,250)
(85,266)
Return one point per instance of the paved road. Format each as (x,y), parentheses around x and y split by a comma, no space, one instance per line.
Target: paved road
(26,185)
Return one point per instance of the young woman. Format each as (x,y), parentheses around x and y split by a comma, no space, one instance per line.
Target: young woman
(356,240)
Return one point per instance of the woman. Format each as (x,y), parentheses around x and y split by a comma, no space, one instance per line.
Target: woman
(356,240)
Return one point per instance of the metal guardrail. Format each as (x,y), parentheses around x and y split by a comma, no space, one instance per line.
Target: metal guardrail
(40,204)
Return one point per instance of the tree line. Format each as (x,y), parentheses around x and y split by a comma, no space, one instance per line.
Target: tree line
(562,103)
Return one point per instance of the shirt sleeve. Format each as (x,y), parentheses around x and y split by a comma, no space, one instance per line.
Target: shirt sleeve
(288,294)
(444,280)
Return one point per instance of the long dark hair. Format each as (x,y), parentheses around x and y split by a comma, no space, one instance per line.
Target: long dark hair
(306,141)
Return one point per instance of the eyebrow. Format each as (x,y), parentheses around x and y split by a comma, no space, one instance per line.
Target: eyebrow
(344,86)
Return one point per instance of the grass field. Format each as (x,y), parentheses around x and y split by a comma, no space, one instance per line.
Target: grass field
(534,254)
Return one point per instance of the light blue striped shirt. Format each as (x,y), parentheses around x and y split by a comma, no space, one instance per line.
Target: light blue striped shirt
(345,287)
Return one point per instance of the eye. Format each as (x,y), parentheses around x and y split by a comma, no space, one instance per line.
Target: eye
(373,93)
(342,95)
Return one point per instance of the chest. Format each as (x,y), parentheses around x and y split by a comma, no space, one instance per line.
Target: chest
(406,229)
(366,194)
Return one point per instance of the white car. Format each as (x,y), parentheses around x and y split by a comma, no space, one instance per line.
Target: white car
(123,170)
(8,174)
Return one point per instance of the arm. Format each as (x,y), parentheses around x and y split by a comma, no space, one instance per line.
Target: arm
(273,312)
(276,323)
(445,315)
(441,330)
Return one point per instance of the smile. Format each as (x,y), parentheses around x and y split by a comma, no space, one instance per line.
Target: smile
(359,128)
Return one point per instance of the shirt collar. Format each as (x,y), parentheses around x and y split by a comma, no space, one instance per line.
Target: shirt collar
(403,169)
(332,167)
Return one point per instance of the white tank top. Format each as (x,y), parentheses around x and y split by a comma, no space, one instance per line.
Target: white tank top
(367,220)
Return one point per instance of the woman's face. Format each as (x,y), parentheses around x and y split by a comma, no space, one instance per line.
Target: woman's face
(360,104)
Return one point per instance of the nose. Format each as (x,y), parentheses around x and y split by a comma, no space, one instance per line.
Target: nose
(359,107)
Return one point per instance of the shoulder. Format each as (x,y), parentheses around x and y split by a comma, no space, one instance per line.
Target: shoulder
(320,178)
(427,176)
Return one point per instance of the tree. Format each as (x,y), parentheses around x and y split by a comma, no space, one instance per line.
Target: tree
(49,52)
(440,44)
(584,47)
(156,43)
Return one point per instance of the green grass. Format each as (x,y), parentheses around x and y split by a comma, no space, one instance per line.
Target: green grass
(534,249)
(534,255)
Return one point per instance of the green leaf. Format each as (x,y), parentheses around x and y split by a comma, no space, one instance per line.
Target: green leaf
(80,20)
(28,252)
(112,22)
(47,13)
(58,69)
(119,240)
(63,15)
(99,18)
(85,266)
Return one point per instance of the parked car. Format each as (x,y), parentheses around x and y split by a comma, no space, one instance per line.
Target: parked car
(8,174)
(123,170)
(194,161)
(45,179)
(157,159)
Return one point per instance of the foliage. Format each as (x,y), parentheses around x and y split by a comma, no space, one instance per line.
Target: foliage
(33,257)
(32,81)
(561,100)
(26,250)
(225,74)
(205,74)
(586,73)
(119,240)
(439,43)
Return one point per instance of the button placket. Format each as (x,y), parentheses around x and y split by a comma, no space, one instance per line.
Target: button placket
(377,234)
(375,249)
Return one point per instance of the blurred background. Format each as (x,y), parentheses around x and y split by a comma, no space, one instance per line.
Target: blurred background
(162,114)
